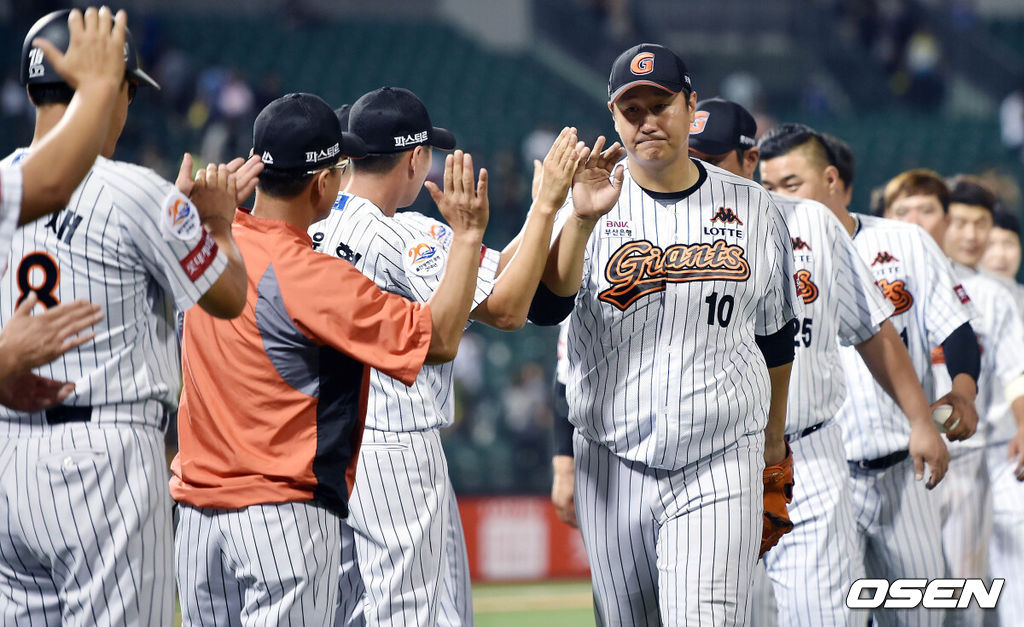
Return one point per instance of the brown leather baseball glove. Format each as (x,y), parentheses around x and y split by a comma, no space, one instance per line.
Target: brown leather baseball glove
(778,492)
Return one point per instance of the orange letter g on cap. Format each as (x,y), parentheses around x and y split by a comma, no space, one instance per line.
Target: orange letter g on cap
(642,63)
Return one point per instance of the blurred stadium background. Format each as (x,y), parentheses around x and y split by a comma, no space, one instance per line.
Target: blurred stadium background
(908,83)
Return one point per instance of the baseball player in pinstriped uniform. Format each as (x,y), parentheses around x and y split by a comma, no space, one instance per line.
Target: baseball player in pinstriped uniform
(971,208)
(43,182)
(679,347)
(814,566)
(88,540)
(408,537)
(268,449)
(898,523)
(922,197)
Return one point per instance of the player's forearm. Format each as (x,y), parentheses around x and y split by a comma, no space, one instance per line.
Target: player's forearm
(226,297)
(57,165)
(509,302)
(453,298)
(889,363)
(775,430)
(564,271)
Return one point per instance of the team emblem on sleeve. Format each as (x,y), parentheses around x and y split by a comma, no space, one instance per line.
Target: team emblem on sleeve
(181,218)
(640,268)
(441,233)
(898,294)
(805,287)
(424,258)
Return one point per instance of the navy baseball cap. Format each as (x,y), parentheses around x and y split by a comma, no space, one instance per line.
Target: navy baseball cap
(393,119)
(721,126)
(53,27)
(300,133)
(648,64)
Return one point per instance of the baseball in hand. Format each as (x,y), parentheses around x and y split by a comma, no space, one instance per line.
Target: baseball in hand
(941,414)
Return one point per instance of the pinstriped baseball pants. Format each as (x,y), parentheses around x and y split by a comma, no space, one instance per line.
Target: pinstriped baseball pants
(85,528)
(675,546)
(273,564)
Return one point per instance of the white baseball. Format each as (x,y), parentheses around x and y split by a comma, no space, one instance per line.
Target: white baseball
(941,414)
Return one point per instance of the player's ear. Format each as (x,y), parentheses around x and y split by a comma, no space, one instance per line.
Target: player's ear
(835,184)
(749,162)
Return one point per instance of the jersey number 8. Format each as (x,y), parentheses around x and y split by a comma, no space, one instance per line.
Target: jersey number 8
(44,289)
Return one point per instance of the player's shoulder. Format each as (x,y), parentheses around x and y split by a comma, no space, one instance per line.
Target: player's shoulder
(718,176)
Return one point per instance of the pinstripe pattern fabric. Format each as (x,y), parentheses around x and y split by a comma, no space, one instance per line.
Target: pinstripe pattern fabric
(840,300)
(813,566)
(129,242)
(351,592)
(676,375)
(900,534)
(402,550)
(408,537)
(677,546)
(965,509)
(919,280)
(112,245)
(291,549)
(1006,548)
(379,247)
(10,208)
(85,528)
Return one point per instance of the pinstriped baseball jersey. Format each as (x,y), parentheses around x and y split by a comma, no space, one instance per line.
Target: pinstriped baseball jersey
(405,255)
(840,300)
(1000,332)
(561,358)
(10,208)
(675,286)
(930,304)
(130,242)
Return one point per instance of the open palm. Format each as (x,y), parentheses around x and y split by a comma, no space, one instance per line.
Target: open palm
(597,183)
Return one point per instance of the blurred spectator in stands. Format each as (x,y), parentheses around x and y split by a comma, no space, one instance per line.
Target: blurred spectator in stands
(468,372)
(1011,122)
(528,416)
(922,78)
(177,82)
(537,143)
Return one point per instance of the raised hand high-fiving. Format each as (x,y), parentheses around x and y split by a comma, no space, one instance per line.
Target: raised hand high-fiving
(598,181)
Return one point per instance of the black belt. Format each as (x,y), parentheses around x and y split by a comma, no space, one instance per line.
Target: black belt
(66,413)
(881,463)
(790,437)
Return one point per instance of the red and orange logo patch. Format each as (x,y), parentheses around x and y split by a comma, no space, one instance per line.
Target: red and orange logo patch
(898,295)
(640,268)
(805,287)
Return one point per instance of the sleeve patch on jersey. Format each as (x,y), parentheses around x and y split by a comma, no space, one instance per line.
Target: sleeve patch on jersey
(424,258)
(200,258)
(181,218)
(441,233)
(961,293)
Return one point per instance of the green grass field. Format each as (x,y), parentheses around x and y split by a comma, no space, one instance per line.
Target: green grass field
(558,604)
(551,604)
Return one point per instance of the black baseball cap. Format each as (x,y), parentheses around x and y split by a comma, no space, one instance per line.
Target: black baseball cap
(393,119)
(53,27)
(342,113)
(648,64)
(721,126)
(300,133)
